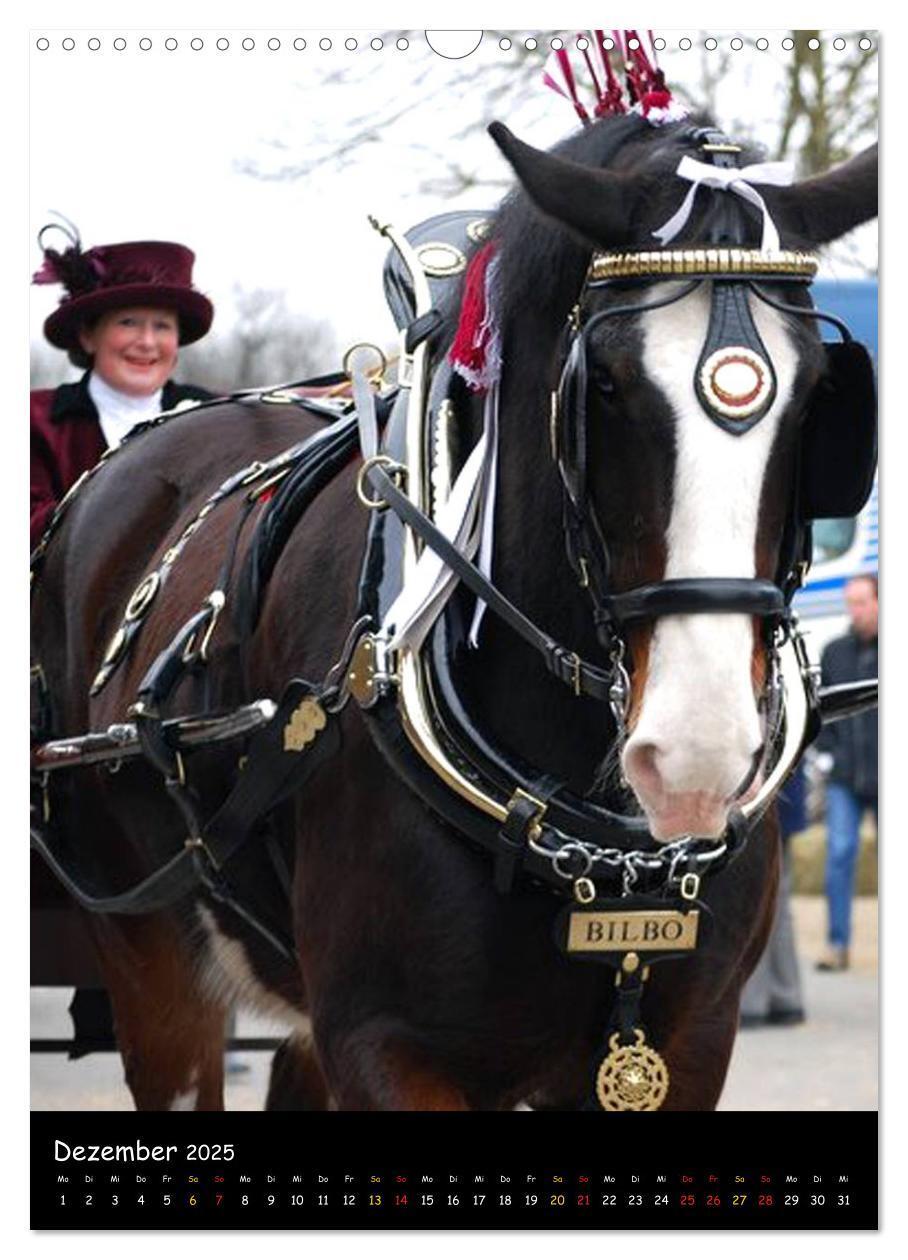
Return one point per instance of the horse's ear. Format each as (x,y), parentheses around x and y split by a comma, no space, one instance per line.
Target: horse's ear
(593,202)
(825,207)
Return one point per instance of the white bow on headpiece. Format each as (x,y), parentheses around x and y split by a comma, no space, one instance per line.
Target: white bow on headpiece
(731,179)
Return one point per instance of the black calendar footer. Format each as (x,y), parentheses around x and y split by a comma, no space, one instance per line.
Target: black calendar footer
(747,1170)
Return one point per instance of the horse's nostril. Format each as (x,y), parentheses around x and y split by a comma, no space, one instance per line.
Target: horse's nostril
(641,766)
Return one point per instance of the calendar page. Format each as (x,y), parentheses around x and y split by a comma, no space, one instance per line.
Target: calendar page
(454,616)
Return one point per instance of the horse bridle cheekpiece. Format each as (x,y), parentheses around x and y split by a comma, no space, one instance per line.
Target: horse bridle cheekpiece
(735,383)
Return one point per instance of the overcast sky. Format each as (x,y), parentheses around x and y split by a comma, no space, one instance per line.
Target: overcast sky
(137,144)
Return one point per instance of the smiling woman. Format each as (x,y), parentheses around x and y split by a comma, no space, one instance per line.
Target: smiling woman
(133,350)
(125,311)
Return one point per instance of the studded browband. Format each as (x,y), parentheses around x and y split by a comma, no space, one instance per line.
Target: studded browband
(738,263)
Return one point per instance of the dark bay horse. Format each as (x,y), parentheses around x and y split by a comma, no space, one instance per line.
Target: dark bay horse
(415,984)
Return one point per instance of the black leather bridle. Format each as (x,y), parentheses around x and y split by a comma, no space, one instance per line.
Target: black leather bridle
(731,325)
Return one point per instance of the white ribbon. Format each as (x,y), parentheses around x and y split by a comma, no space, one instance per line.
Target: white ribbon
(431,584)
(730,179)
(466,518)
(487,539)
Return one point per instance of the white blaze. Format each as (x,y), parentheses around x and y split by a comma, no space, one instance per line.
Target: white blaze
(185,1102)
(227,976)
(698,709)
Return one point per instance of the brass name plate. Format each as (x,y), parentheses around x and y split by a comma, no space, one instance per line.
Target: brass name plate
(639,930)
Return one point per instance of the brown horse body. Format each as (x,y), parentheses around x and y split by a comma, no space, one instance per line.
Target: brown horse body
(425,988)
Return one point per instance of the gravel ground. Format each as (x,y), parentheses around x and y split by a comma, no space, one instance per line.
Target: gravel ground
(828,1063)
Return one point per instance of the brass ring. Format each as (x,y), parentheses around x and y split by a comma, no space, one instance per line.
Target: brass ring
(376,461)
(365,345)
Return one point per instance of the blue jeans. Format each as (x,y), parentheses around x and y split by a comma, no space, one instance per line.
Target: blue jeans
(844,811)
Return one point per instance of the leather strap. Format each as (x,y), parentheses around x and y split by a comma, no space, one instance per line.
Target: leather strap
(272,771)
(676,596)
(756,596)
(846,699)
(159,890)
(523,814)
(581,676)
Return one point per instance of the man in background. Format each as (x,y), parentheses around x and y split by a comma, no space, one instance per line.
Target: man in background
(849,750)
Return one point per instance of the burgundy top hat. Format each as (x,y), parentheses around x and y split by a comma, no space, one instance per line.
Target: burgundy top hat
(110,277)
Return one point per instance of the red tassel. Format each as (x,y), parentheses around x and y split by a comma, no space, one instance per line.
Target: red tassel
(655,100)
(468,350)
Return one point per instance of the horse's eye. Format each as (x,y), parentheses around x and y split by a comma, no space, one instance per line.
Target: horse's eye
(602,381)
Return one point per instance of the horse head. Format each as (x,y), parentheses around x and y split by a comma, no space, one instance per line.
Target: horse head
(678,421)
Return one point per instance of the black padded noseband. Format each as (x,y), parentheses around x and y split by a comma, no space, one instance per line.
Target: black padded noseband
(675,596)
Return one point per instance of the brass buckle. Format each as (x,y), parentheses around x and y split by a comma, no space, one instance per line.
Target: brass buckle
(215,601)
(257,491)
(584,890)
(690,886)
(534,831)
(256,468)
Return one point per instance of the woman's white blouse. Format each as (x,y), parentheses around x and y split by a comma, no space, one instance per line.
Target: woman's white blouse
(117,412)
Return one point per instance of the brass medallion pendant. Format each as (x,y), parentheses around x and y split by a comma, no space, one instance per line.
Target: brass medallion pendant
(631,1078)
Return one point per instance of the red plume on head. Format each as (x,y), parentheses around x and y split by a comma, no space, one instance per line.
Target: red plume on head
(647,93)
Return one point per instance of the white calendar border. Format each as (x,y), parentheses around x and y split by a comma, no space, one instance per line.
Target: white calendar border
(13,1062)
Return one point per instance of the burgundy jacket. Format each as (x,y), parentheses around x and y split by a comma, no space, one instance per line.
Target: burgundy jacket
(66,439)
